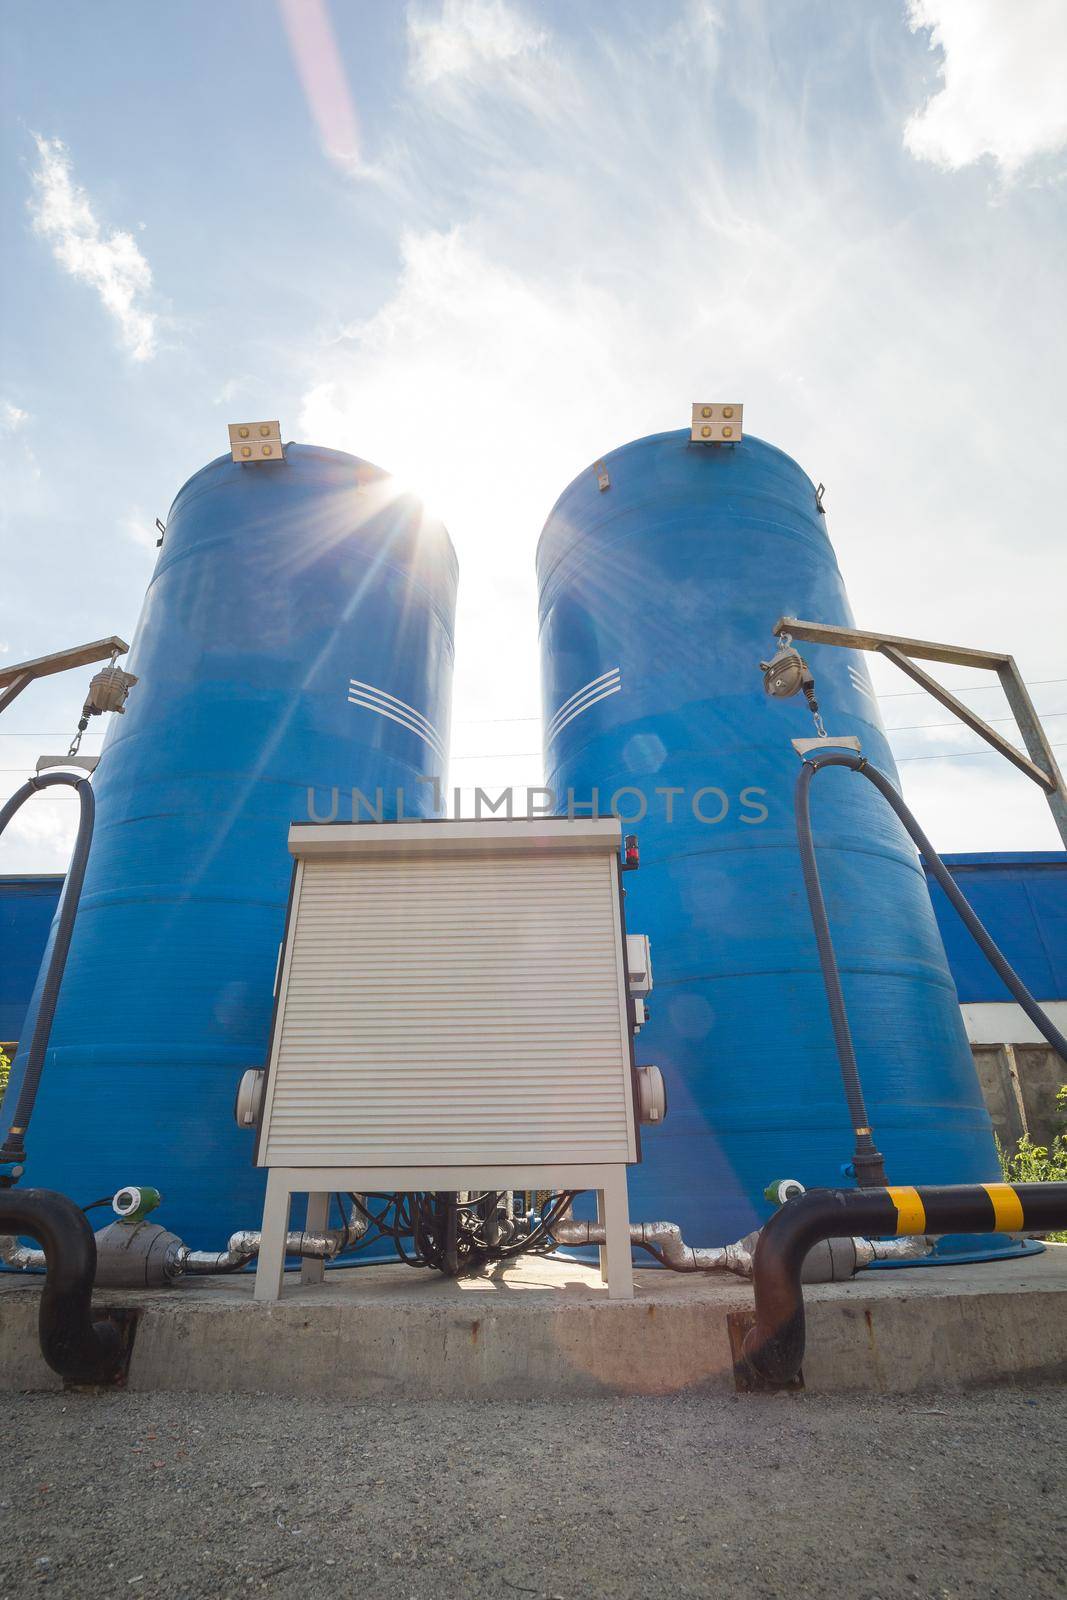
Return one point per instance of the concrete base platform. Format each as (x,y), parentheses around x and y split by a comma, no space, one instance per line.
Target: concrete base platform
(545,1328)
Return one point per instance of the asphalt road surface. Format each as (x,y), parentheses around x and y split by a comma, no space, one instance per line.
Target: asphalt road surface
(776,1496)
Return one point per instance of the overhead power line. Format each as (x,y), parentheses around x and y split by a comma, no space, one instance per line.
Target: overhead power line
(959,755)
(909,694)
(954,722)
(898,694)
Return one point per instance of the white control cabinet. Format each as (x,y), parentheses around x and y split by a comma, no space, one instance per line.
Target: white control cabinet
(452,1013)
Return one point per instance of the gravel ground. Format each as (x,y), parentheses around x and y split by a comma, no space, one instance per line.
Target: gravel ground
(776,1496)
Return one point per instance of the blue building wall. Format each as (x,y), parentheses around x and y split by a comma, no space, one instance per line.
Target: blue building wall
(27,906)
(1022,899)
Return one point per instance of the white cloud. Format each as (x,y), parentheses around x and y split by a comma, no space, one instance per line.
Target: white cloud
(140,529)
(227,392)
(12,418)
(482,389)
(17,459)
(41,835)
(977,803)
(40,838)
(1004,74)
(466,37)
(623,251)
(110,262)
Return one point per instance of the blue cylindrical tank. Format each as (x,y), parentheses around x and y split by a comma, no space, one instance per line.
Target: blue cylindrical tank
(297,637)
(658,595)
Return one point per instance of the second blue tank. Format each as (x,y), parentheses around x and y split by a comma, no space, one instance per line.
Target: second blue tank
(658,595)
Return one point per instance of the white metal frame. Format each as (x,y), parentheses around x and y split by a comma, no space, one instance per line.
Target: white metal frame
(318,1183)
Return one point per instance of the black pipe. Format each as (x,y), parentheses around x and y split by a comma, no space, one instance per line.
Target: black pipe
(774,1346)
(868,1162)
(867,1158)
(14,1148)
(71,1342)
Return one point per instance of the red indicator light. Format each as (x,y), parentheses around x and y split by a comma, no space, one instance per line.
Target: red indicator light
(631,852)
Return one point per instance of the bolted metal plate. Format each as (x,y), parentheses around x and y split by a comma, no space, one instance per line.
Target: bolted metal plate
(256,441)
(716,424)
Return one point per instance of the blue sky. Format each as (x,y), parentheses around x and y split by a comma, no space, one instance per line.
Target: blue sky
(482,242)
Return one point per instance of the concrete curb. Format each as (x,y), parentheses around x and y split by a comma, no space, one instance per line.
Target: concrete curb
(546,1330)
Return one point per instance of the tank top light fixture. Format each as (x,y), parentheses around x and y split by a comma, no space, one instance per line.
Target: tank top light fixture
(716,424)
(256,441)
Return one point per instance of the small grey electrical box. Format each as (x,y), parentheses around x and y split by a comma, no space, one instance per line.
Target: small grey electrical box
(256,441)
(639,963)
(716,424)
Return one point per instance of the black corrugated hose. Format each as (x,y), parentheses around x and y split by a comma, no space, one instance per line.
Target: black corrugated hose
(14,1150)
(869,1164)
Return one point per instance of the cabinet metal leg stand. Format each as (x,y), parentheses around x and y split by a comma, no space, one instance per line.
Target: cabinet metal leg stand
(608,1181)
(313,1269)
(602,1250)
(616,1262)
(270,1269)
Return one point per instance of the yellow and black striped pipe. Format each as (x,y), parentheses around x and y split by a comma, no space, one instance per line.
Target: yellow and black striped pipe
(774,1347)
(933,1210)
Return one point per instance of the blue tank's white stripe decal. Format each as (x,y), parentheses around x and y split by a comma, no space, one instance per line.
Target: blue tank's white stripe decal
(859,681)
(387,705)
(609,682)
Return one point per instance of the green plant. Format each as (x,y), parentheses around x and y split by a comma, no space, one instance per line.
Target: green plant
(5,1073)
(1038,1163)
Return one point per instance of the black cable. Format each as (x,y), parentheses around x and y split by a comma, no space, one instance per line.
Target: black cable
(868,1159)
(14,1148)
(350,1266)
(379,1218)
(407,1232)
(975,927)
(556,1209)
(378,1226)
(453,1236)
(344,1224)
(831,977)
